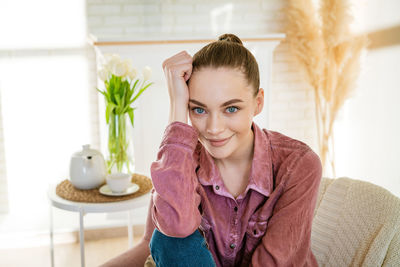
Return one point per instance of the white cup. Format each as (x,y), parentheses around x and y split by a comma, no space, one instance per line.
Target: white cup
(118,182)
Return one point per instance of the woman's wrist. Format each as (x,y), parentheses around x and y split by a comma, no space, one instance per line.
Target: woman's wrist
(178,112)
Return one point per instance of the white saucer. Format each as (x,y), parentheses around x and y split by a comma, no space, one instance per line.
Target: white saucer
(105,190)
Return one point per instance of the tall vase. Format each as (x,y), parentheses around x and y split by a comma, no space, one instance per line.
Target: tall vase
(120,152)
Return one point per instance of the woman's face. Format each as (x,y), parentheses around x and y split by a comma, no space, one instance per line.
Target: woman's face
(221,107)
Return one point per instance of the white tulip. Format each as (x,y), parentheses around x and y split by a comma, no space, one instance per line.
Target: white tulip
(114,64)
(146,73)
(132,73)
(107,58)
(128,65)
(110,66)
(103,74)
(117,68)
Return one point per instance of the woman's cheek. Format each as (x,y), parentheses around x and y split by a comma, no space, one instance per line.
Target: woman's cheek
(239,122)
(195,120)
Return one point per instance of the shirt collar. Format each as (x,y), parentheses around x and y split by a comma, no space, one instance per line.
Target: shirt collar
(261,177)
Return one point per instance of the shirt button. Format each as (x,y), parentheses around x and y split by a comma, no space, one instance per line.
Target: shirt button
(235,208)
(232,246)
(217,187)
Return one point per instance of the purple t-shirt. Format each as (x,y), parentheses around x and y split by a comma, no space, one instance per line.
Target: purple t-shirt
(269,224)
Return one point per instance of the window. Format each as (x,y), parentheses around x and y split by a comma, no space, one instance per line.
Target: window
(45,101)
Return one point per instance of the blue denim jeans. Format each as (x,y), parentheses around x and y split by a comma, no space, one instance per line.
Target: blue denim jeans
(180,252)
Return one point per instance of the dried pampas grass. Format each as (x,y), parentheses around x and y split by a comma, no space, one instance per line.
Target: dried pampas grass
(330,59)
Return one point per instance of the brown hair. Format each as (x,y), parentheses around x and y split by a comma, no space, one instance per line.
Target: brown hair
(229,51)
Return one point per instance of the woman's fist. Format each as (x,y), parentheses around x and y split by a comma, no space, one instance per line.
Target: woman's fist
(177,71)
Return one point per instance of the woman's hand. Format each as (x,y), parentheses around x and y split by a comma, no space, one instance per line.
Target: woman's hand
(177,71)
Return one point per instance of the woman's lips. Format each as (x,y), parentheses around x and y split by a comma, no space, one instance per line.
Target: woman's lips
(219,142)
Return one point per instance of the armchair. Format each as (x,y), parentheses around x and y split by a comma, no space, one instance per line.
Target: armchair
(356,223)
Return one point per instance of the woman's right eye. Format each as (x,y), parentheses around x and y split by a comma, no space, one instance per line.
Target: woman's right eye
(198,110)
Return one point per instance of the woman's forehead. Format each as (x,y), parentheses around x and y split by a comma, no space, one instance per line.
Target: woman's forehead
(218,71)
(226,80)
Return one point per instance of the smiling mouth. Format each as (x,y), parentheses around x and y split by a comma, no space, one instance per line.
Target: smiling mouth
(218,142)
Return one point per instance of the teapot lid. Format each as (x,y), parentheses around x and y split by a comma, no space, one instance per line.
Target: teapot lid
(87,151)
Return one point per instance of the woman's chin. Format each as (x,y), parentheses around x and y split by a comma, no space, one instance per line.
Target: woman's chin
(217,153)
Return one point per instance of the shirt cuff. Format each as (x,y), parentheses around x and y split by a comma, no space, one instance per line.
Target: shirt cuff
(180,133)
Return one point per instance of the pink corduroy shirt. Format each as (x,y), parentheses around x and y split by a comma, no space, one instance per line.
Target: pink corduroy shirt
(269,224)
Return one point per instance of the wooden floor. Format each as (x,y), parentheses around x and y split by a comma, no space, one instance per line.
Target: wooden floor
(66,255)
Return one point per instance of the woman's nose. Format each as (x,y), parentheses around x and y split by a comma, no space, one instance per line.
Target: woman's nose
(215,125)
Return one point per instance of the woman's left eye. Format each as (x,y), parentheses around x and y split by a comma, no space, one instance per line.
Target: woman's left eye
(232,109)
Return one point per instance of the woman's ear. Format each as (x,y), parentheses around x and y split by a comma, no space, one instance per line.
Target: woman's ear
(259,102)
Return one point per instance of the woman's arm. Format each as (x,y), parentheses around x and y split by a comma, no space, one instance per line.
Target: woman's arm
(287,241)
(175,210)
(176,201)
(177,70)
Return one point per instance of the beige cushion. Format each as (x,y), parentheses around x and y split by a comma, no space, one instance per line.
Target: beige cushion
(356,223)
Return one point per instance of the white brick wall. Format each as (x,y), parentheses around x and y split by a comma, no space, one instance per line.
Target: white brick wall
(290,103)
(291,99)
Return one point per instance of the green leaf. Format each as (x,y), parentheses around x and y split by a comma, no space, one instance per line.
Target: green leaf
(105,94)
(117,85)
(102,92)
(111,91)
(126,109)
(132,90)
(125,88)
(109,109)
(134,85)
(129,94)
(118,99)
(140,92)
(131,115)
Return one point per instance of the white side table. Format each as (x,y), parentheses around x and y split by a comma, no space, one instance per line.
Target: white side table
(84,207)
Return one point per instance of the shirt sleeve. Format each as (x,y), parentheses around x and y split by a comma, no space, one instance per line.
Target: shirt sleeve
(175,210)
(287,241)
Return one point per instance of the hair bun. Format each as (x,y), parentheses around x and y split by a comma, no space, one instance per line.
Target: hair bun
(229,37)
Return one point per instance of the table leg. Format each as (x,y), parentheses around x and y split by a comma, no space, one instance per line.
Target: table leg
(130,230)
(51,236)
(81,236)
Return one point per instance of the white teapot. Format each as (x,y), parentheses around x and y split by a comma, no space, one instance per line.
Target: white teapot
(87,169)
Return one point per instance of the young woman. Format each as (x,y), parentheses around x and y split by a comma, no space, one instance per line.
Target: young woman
(226,192)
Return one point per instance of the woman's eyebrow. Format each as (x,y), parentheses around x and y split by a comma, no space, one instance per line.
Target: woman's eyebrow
(227,103)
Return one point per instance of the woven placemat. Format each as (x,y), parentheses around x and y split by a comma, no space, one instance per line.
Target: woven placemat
(66,190)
